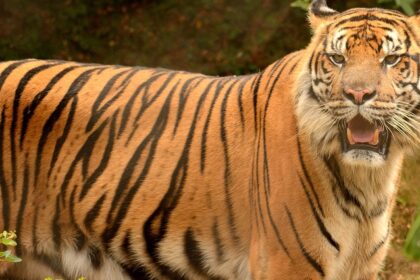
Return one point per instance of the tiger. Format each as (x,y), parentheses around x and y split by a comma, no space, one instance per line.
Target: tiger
(115,172)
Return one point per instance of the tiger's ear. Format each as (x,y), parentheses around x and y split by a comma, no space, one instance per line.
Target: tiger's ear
(415,20)
(320,13)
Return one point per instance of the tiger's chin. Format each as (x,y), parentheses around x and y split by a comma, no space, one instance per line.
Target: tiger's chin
(363,142)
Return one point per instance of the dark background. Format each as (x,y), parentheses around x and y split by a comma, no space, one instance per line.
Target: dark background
(210,36)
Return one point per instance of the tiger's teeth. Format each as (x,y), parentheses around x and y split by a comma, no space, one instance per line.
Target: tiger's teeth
(375,139)
(350,137)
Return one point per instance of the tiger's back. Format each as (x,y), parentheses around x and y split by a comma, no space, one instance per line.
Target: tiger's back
(126,169)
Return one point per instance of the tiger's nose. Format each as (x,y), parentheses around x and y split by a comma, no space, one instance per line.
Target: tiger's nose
(358,96)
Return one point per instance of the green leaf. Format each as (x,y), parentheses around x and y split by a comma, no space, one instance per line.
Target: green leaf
(301,4)
(412,242)
(13,259)
(407,6)
(5,254)
(8,242)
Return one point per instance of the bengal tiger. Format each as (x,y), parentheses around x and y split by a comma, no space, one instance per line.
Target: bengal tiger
(113,172)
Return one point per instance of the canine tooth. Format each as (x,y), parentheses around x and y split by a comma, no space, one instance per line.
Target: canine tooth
(350,137)
(375,139)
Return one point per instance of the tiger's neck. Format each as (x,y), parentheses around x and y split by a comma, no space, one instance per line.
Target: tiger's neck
(295,189)
(361,193)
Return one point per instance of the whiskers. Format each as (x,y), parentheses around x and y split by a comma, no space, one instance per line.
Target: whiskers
(406,123)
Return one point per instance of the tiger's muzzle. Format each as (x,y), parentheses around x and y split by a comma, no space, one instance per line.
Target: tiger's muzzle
(361,134)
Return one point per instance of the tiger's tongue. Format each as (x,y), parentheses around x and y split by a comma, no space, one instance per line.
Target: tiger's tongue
(361,131)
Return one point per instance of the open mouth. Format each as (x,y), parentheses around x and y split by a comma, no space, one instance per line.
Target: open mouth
(360,134)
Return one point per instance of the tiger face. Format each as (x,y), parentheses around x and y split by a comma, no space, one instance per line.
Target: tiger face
(361,97)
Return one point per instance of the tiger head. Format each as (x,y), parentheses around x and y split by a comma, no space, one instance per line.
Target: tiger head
(359,92)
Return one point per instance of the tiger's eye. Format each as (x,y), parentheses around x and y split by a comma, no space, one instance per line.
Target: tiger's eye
(392,59)
(337,59)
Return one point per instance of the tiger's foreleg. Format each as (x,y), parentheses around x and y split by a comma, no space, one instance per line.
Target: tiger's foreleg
(270,262)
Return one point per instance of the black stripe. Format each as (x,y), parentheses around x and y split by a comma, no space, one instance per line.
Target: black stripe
(277,64)
(84,152)
(293,67)
(240,104)
(104,160)
(55,225)
(308,178)
(151,140)
(266,175)
(365,17)
(74,89)
(219,87)
(130,103)
(255,98)
(194,255)
(9,69)
(131,266)
(94,213)
(79,237)
(136,272)
(97,110)
(314,263)
(23,203)
(4,188)
(62,139)
(95,256)
(54,263)
(183,97)
(155,227)
(227,174)
(147,102)
(16,101)
(277,233)
(318,219)
(34,227)
(217,241)
(345,193)
(380,244)
(29,110)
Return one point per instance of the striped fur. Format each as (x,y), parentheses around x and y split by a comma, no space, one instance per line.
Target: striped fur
(113,172)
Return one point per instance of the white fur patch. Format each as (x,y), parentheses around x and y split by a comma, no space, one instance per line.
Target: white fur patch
(78,264)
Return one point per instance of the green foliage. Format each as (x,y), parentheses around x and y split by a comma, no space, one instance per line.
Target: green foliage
(406,5)
(7,239)
(301,4)
(412,242)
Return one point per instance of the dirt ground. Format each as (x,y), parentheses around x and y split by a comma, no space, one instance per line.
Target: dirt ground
(397,267)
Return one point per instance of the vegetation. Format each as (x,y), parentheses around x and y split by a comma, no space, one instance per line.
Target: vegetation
(7,240)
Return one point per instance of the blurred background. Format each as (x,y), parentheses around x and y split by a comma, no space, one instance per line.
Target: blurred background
(217,37)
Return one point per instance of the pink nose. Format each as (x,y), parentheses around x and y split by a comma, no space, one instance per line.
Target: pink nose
(359,96)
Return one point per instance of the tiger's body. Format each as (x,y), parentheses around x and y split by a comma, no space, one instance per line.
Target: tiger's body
(113,172)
